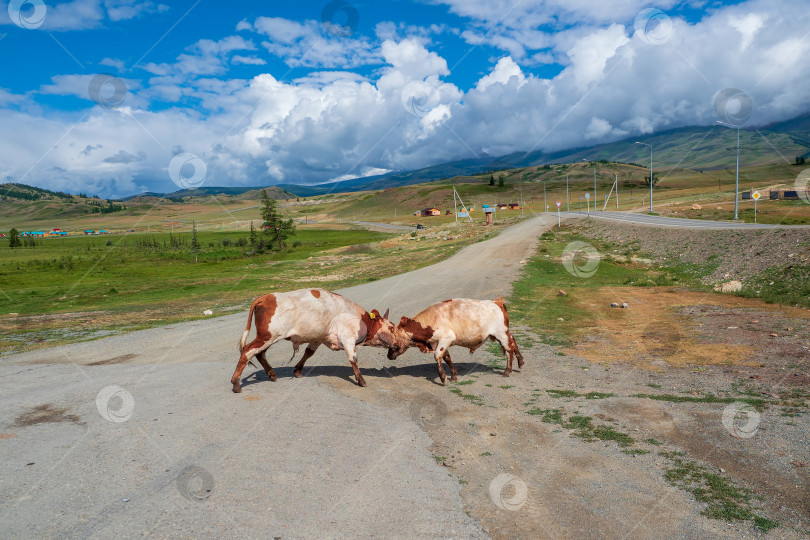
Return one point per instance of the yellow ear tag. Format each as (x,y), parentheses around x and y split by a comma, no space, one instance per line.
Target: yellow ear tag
(372,316)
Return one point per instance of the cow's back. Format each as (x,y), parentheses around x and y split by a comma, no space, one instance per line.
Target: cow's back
(470,320)
(311,313)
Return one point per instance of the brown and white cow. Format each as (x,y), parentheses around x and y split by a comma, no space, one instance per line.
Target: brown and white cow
(461,321)
(313,316)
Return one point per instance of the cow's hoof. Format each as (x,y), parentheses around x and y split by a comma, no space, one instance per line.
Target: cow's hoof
(362,383)
(506,373)
(297,374)
(237,389)
(453,378)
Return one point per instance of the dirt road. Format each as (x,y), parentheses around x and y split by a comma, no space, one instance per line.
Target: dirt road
(170,451)
(179,455)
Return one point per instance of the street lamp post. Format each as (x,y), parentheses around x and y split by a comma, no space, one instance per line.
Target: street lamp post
(651,174)
(737,174)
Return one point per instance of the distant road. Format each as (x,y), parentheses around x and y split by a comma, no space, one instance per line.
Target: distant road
(682,223)
(383,225)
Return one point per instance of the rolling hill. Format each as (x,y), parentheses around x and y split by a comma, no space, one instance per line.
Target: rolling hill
(694,148)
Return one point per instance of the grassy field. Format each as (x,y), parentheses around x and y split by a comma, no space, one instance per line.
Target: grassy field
(710,192)
(699,194)
(74,288)
(97,272)
(559,319)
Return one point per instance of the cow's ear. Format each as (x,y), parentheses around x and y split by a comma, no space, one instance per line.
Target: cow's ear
(403,321)
(375,312)
(386,313)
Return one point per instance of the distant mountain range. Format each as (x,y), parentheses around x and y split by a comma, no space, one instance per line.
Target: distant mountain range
(274,192)
(696,148)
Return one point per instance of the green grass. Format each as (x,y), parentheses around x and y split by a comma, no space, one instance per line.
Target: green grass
(598,395)
(79,288)
(472,398)
(582,426)
(788,284)
(574,394)
(562,393)
(723,498)
(535,303)
(635,451)
(84,273)
(757,403)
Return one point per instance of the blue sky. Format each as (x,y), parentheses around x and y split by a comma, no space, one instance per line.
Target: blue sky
(109,96)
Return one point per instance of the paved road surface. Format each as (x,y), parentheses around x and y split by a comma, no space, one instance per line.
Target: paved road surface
(677,222)
(291,458)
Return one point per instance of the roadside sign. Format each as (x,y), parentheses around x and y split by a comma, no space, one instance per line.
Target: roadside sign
(587,195)
(756,195)
(558,203)
(463,214)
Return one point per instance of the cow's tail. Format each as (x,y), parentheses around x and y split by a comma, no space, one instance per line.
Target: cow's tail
(502,304)
(246,333)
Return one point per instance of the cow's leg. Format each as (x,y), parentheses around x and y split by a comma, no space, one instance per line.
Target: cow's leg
(263,361)
(349,347)
(453,373)
(309,351)
(248,352)
(440,351)
(513,345)
(503,339)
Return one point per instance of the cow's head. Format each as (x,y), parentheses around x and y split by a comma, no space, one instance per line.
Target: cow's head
(410,333)
(379,330)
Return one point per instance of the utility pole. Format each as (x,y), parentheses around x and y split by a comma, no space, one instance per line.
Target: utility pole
(651,174)
(455,208)
(567,209)
(737,174)
(545,207)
